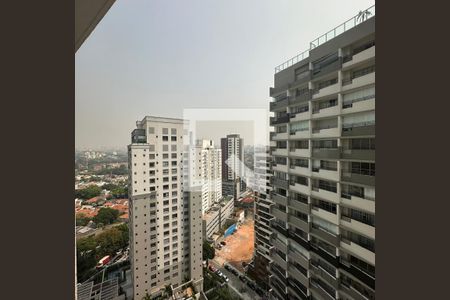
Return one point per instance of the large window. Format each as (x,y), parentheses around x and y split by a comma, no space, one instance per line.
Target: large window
(362,144)
(363,168)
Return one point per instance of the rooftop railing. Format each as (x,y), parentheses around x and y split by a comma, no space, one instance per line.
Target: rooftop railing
(352,22)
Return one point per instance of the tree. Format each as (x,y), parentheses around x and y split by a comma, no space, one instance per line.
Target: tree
(208,251)
(81,219)
(106,215)
(89,192)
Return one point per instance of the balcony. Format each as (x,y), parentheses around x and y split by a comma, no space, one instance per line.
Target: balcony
(280,168)
(357,154)
(279,120)
(317,270)
(278,228)
(357,202)
(300,116)
(320,293)
(358,251)
(280,104)
(325,132)
(359,58)
(325,112)
(357,226)
(300,259)
(347,267)
(358,82)
(295,273)
(327,91)
(279,260)
(324,214)
(326,153)
(280,182)
(300,152)
(279,136)
(351,292)
(299,134)
(359,105)
(300,206)
(325,235)
(332,67)
(347,176)
(359,129)
(280,215)
(277,198)
(279,245)
(299,188)
(325,194)
(298,223)
(325,174)
(302,98)
(293,169)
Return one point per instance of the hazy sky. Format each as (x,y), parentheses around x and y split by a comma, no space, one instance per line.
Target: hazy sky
(157,57)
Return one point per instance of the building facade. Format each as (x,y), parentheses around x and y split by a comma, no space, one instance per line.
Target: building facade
(206,170)
(164,221)
(232,152)
(262,194)
(323,241)
(214,219)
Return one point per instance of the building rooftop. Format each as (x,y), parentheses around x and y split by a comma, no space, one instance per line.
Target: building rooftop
(350,23)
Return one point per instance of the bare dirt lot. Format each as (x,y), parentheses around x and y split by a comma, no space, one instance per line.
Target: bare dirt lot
(239,246)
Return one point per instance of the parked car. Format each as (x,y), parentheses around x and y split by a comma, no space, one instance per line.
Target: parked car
(228,267)
(235,272)
(242,278)
(225,277)
(212,269)
(223,243)
(218,272)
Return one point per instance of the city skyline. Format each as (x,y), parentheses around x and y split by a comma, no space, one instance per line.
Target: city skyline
(126,69)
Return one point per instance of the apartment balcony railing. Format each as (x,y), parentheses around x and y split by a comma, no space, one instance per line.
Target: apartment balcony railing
(359,74)
(297,222)
(279,104)
(364,179)
(298,293)
(292,61)
(299,205)
(302,78)
(277,198)
(326,153)
(304,97)
(280,229)
(359,129)
(348,104)
(279,214)
(317,110)
(352,22)
(323,290)
(320,271)
(325,235)
(334,66)
(279,120)
(364,277)
(293,272)
(280,182)
(358,154)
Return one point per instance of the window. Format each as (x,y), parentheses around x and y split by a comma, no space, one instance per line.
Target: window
(165,148)
(173,131)
(151,130)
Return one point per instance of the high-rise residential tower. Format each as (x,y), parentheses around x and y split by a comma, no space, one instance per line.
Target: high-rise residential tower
(260,184)
(165,220)
(324,167)
(206,170)
(232,173)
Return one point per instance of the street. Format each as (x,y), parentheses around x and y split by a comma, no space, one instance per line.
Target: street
(237,285)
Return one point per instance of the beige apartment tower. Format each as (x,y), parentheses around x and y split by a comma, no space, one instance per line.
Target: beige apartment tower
(165,221)
(323,241)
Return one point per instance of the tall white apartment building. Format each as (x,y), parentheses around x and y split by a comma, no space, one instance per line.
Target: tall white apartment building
(206,164)
(165,221)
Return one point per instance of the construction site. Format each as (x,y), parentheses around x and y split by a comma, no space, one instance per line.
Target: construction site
(238,247)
